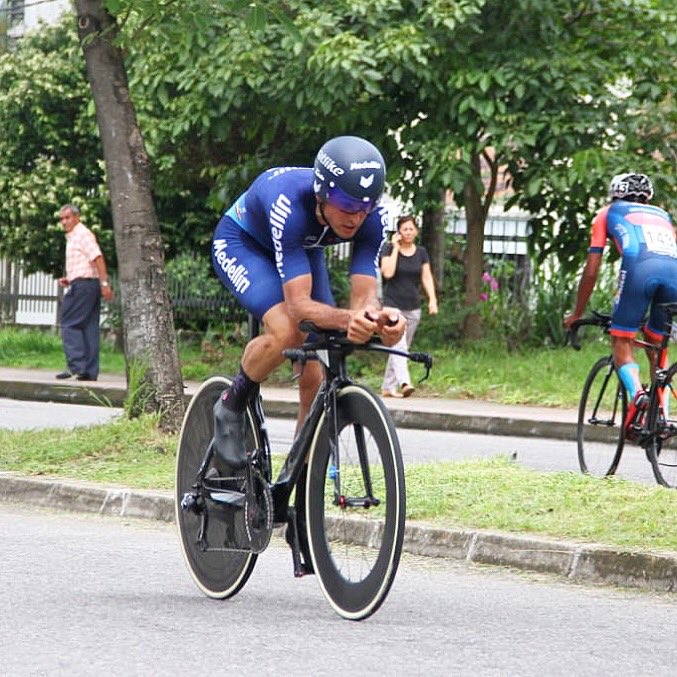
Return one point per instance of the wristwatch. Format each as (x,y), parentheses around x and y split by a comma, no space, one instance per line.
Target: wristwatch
(105,283)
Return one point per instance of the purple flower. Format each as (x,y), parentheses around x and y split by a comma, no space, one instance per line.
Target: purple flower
(484,296)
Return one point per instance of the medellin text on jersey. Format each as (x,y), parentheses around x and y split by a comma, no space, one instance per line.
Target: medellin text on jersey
(280,211)
(236,272)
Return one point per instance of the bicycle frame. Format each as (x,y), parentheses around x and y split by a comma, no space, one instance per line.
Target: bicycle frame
(332,354)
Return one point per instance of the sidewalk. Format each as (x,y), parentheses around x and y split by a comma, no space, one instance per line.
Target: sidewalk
(587,563)
(426,413)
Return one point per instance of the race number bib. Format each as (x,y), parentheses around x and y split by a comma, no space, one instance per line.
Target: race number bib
(659,240)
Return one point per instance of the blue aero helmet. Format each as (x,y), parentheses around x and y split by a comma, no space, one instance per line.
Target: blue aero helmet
(349,173)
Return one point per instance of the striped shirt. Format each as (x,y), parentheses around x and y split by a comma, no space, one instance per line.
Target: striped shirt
(81,250)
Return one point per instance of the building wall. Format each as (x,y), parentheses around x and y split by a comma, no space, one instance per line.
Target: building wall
(34,11)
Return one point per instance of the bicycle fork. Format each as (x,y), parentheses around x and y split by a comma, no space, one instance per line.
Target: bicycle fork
(334,465)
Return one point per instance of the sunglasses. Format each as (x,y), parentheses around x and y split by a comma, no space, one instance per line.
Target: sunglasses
(339,199)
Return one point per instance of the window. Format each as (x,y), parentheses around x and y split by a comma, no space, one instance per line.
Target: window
(16,12)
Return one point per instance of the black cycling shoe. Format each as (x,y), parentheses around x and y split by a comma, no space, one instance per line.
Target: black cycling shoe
(229,436)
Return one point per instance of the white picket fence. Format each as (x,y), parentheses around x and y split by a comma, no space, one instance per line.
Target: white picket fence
(27,299)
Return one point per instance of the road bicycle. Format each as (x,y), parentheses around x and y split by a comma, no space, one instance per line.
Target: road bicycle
(340,491)
(603,410)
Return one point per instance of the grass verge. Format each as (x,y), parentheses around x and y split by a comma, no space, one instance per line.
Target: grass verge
(485,494)
(482,370)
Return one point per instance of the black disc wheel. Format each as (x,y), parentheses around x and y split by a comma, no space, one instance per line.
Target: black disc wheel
(216,553)
(355,535)
(601,414)
(662,448)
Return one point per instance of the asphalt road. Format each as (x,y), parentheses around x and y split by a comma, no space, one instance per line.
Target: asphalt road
(418,446)
(545,455)
(25,415)
(91,596)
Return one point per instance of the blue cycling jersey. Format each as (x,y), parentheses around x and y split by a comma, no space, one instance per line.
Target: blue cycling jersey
(271,235)
(278,211)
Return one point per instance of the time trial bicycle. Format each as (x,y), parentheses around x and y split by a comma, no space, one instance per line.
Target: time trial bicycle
(340,491)
(603,409)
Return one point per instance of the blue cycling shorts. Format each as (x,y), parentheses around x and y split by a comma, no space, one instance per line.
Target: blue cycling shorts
(248,270)
(651,281)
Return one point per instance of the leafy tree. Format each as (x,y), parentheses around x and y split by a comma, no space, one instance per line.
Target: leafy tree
(49,149)
(534,86)
(529,86)
(149,337)
(561,93)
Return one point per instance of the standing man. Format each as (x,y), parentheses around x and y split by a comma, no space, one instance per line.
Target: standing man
(86,281)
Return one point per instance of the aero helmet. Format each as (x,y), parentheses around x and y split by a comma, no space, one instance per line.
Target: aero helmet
(629,186)
(349,173)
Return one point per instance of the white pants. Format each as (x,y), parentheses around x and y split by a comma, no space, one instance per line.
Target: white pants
(397,369)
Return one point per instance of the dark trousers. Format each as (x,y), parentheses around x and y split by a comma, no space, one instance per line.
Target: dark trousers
(80,315)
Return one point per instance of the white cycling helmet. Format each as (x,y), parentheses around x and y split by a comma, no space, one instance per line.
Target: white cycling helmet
(631,186)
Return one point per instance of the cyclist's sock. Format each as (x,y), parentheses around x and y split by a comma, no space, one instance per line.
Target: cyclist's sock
(629,375)
(240,392)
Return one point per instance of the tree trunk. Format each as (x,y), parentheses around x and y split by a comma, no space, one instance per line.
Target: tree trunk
(475,215)
(149,338)
(432,238)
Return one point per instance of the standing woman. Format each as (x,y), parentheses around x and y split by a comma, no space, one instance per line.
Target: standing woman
(405,267)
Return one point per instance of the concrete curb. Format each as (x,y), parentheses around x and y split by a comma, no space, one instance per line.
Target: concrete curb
(279,408)
(591,564)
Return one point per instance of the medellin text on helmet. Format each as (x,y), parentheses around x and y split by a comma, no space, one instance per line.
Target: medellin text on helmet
(329,163)
(235,272)
(278,215)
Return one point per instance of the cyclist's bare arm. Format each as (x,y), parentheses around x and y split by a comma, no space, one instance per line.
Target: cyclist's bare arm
(363,319)
(585,287)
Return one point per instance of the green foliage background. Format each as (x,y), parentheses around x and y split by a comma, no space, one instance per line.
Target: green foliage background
(563,93)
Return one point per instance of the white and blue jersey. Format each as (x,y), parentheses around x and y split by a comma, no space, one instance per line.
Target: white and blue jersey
(271,235)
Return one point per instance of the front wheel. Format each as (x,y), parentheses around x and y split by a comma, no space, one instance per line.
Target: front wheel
(218,570)
(601,414)
(662,448)
(355,536)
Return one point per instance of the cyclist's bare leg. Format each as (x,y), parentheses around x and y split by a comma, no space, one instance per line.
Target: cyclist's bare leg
(263,354)
(656,358)
(622,348)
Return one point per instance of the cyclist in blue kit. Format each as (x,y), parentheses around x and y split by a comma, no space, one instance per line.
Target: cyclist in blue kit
(645,238)
(268,250)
